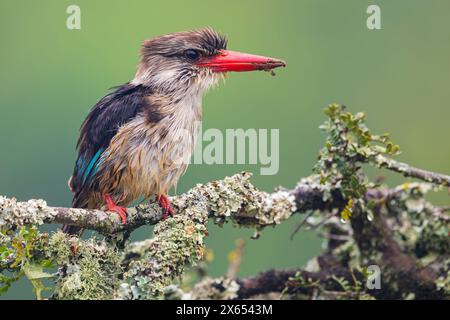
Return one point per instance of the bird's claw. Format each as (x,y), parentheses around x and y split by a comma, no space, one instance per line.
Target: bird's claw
(165,204)
(121,211)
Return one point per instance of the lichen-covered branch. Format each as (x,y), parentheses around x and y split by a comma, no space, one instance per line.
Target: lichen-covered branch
(233,198)
(407,239)
(413,172)
(363,224)
(152,264)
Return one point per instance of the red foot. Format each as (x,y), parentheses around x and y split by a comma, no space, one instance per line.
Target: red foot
(164,202)
(121,211)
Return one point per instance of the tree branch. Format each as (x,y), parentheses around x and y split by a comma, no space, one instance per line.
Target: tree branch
(401,271)
(245,205)
(413,172)
(396,229)
(232,198)
(295,281)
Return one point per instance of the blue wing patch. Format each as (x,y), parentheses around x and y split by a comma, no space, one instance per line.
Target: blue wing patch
(91,164)
(87,172)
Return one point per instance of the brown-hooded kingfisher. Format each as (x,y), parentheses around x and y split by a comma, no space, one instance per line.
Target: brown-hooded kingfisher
(135,141)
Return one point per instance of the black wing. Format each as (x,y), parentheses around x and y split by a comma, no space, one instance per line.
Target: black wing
(100,126)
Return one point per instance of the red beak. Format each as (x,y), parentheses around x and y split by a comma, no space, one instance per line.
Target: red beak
(236,61)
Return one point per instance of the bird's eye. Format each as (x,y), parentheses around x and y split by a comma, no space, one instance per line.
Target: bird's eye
(192,54)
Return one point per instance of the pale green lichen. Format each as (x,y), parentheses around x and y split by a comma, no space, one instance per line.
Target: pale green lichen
(154,264)
(89,269)
(276,208)
(215,289)
(206,289)
(59,245)
(149,269)
(16,214)
(420,230)
(443,282)
(178,241)
(235,198)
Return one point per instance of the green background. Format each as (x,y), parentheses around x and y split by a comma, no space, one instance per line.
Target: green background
(51,76)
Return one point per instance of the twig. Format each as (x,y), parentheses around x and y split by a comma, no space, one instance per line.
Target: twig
(235,258)
(413,172)
(300,224)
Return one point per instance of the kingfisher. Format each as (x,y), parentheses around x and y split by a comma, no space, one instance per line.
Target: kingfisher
(136,141)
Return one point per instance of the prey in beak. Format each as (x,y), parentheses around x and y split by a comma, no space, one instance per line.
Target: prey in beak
(226,60)
(149,125)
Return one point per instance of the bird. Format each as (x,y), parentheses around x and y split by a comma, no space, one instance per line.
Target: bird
(136,141)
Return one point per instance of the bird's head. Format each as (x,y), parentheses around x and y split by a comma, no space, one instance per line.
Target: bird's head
(180,62)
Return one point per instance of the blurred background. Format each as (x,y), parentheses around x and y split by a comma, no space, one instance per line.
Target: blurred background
(51,76)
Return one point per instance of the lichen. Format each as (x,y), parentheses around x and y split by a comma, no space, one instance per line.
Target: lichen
(150,269)
(216,289)
(16,214)
(420,231)
(154,264)
(443,282)
(88,269)
(235,198)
